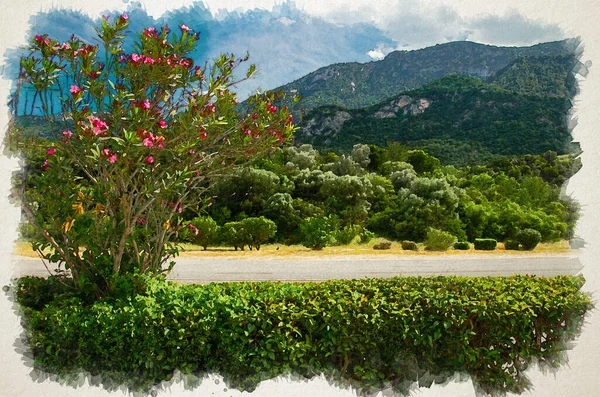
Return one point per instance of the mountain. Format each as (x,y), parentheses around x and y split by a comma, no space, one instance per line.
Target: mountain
(355,85)
(543,75)
(453,117)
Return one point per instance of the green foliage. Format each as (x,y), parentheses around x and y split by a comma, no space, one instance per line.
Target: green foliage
(302,157)
(408,245)
(528,238)
(438,240)
(347,234)
(542,76)
(365,236)
(513,245)
(258,231)
(372,333)
(248,190)
(486,244)
(317,233)
(202,230)
(462,245)
(233,233)
(422,162)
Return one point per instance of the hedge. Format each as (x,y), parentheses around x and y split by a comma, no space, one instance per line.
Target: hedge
(487,244)
(462,245)
(372,333)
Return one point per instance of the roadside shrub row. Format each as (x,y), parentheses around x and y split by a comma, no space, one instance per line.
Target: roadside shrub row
(373,333)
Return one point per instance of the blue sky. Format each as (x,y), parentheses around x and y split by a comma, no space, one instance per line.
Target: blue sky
(288,40)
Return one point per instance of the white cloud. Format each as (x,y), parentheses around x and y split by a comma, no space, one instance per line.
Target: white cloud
(379,52)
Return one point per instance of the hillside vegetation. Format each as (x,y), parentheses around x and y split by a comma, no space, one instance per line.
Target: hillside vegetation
(453,117)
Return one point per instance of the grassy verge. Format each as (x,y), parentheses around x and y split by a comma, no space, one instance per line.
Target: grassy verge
(279,250)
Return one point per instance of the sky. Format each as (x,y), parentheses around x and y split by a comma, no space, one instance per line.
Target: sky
(287,39)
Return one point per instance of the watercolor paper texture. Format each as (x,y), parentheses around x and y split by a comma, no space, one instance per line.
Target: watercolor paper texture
(305,36)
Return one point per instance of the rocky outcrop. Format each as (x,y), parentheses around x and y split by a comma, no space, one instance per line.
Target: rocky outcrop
(408,106)
(328,125)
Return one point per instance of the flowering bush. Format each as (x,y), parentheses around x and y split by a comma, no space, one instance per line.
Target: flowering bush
(139,138)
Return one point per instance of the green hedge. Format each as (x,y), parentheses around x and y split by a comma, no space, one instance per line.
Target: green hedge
(486,244)
(373,333)
(462,245)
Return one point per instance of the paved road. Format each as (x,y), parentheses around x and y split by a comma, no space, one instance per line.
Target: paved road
(210,269)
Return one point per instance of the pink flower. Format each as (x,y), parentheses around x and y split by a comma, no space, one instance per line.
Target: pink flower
(136,58)
(124,17)
(146,104)
(99,126)
(150,159)
(106,152)
(194,228)
(184,28)
(39,38)
(67,134)
(148,60)
(147,142)
(74,90)
(203,135)
(66,46)
(150,32)
(51,151)
(162,124)
(46,165)
(186,63)
(112,158)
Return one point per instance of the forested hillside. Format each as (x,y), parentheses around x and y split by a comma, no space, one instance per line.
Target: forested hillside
(458,118)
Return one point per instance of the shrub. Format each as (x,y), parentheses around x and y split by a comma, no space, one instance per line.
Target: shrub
(233,233)
(438,240)
(258,231)
(141,138)
(317,233)
(252,331)
(203,231)
(485,244)
(384,245)
(347,234)
(462,245)
(528,238)
(511,245)
(409,246)
(366,236)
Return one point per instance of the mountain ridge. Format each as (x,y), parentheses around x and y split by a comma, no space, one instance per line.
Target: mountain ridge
(355,85)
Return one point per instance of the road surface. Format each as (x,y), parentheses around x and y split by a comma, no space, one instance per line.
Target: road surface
(213,269)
